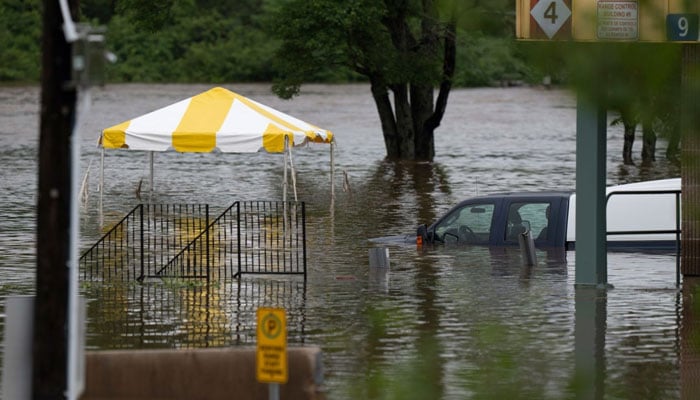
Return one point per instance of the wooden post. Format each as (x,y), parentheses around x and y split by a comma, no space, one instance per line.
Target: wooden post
(690,160)
(58,99)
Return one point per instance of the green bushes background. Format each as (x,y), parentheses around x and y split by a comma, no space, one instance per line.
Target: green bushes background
(219,41)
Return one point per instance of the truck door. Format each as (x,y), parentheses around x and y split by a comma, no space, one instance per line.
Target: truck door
(540,216)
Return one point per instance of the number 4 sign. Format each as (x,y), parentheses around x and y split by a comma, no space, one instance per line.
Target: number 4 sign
(550,17)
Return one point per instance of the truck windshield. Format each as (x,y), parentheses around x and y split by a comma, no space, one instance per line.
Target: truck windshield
(469,224)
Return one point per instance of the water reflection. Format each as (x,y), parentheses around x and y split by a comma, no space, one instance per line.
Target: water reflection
(589,332)
(690,339)
(188,313)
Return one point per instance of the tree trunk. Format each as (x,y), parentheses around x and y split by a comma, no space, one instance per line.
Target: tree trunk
(409,130)
(629,142)
(630,124)
(674,141)
(422,106)
(648,142)
(404,122)
(380,94)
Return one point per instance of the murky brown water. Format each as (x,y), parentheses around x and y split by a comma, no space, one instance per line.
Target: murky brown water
(443,323)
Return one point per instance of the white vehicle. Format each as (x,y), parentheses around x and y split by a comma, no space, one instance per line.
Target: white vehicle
(640,216)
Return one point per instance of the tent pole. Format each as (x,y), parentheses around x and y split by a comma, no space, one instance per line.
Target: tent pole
(102,182)
(291,168)
(150,187)
(284,187)
(286,161)
(332,172)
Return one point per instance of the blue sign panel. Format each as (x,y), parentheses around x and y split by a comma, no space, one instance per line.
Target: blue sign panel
(682,27)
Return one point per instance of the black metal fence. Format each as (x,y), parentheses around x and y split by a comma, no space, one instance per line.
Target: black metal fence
(178,241)
(272,238)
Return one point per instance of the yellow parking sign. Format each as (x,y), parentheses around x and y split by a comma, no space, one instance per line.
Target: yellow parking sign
(272,345)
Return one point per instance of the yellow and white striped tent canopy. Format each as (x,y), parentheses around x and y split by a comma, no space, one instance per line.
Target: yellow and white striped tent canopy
(217,119)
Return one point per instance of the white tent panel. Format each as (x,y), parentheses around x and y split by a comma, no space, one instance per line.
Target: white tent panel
(154,132)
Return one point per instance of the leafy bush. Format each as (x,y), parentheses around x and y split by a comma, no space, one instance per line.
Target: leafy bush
(215,41)
(487,61)
(20,35)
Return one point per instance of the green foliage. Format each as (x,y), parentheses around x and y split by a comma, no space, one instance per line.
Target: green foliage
(183,283)
(100,11)
(148,15)
(487,60)
(242,40)
(317,37)
(324,35)
(20,35)
(495,18)
(190,45)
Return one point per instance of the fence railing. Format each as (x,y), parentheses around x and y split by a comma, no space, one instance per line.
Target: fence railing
(147,237)
(272,238)
(213,252)
(253,237)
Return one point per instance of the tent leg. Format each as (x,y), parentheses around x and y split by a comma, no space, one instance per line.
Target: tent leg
(293,173)
(286,161)
(102,183)
(332,173)
(150,183)
(284,187)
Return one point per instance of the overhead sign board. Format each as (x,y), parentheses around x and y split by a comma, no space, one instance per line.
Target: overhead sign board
(608,20)
(271,358)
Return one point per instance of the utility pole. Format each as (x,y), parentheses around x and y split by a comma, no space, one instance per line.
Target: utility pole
(58,113)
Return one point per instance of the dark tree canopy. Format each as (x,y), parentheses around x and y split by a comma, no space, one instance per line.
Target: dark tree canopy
(402,47)
(232,41)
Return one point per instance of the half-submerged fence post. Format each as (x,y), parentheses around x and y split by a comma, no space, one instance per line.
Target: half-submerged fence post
(140,278)
(527,248)
(303,235)
(238,236)
(206,230)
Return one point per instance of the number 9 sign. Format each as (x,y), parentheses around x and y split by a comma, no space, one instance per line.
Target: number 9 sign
(682,27)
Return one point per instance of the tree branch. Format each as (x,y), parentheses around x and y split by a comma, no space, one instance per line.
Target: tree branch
(448,71)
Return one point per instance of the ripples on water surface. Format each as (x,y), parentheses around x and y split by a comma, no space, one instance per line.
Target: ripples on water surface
(444,323)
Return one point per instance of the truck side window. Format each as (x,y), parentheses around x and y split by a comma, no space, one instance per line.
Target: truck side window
(528,216)
(470,224)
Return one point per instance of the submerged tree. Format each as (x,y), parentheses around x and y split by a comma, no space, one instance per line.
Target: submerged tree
(403,47)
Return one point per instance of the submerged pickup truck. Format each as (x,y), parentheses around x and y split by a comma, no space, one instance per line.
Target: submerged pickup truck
(640,216)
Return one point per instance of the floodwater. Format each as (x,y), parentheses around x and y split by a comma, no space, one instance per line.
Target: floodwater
(440,323)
